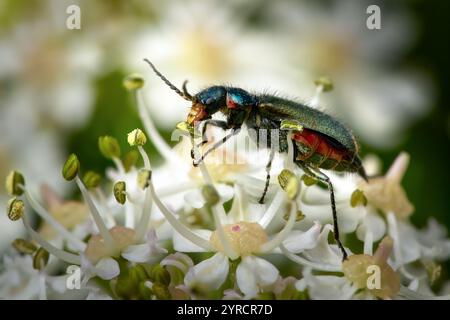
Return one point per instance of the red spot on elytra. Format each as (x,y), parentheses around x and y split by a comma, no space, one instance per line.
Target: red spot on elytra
(230,103)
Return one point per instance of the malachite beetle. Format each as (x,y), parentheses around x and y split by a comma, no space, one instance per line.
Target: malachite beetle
(322,142)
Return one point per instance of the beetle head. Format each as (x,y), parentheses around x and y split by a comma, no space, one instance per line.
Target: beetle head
(206,103)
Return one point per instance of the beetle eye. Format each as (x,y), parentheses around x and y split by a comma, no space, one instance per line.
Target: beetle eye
(233,101)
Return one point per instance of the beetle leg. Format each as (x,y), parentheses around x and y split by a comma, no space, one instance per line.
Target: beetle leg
(268,167)
(216,123)
(319,175)
(233,132)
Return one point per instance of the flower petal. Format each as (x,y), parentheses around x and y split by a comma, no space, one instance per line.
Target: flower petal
(208,274)
(298,240)
(107,268)
(253,274)
(374,223)
(137,253)
(324,252)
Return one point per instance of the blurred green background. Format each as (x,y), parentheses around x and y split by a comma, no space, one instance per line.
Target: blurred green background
(60,89)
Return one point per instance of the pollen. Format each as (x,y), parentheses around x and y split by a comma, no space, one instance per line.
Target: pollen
(244,237)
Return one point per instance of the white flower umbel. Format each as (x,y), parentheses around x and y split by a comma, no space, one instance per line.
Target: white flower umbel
(238,238)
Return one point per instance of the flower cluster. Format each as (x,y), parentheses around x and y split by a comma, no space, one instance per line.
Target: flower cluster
(183,232)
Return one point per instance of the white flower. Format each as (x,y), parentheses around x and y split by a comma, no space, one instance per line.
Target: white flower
(235,236)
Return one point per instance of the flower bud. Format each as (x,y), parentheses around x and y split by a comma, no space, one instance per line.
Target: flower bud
(14,180)
(161,291)
(138,274)
(24,246)
(109,147)
(119,192)
(40,259)
(289,183)
(16,208)
(145,293)
(133,82)
(159,274)
(92,179)
(71,167)
(136,138)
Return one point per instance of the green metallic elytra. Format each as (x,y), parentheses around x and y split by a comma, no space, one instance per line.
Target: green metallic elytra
(279,109)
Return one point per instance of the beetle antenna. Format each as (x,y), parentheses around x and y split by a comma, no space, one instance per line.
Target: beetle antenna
(185,95)
(185,91)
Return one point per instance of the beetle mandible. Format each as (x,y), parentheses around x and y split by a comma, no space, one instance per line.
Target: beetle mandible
(322,143)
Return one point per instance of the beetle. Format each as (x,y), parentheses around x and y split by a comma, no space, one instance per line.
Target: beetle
(322,142)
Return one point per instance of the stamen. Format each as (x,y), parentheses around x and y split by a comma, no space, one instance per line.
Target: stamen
(129,216)
(272,210)
(106,235)
(315,100)
(42,287)
(108,215)
(368,243)
(44,214)
(119,165)
(393,232)
(60,254)
(144,156)
(159,143)
(177,225)
(281,236)
(323,84)
(304,262)
(145,216)
(219,209)
(218,212)
(147,207)
(168,191)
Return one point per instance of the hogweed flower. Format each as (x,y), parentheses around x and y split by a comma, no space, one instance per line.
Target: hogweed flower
(213,209)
